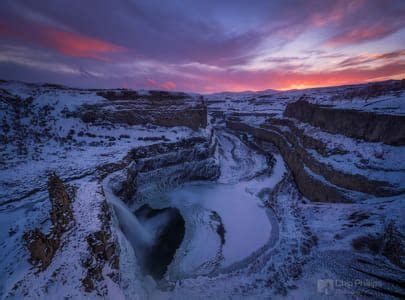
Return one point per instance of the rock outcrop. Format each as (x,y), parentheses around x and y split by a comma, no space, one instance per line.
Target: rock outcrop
(103,250)
(389,243)
(368,126)
(42,246)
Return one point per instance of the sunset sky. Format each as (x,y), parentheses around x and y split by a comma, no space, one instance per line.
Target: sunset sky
(202,46)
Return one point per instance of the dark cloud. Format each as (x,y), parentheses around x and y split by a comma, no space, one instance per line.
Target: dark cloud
(368,58)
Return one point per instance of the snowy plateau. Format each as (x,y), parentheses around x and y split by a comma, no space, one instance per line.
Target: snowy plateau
(136,194)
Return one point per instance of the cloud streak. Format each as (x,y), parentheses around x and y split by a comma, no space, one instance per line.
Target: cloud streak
(65,42)
(362,34)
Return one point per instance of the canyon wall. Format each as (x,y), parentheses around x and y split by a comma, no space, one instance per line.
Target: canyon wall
(165,165)
(365,125)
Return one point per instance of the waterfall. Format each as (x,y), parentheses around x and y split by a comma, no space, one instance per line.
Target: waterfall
(138,236)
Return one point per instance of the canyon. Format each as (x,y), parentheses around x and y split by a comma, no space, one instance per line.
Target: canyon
(125,194)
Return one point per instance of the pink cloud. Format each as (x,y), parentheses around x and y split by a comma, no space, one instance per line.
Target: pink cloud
(63,41)
(337,12)
(361,34)
(152,83)
(169,85)
(78,45)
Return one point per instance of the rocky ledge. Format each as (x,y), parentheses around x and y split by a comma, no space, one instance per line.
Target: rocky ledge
(153,107)
(365,125)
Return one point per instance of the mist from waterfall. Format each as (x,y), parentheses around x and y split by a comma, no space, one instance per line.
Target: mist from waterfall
(139,237)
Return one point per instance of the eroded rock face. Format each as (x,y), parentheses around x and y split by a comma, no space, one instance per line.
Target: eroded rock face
(308,185)
(301,143)
(61,213)
(168,164)
(390,243)
(158,108)
(368,126)
(43,247)
(152,96)
(317,180)
(394,245)
(103,250)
